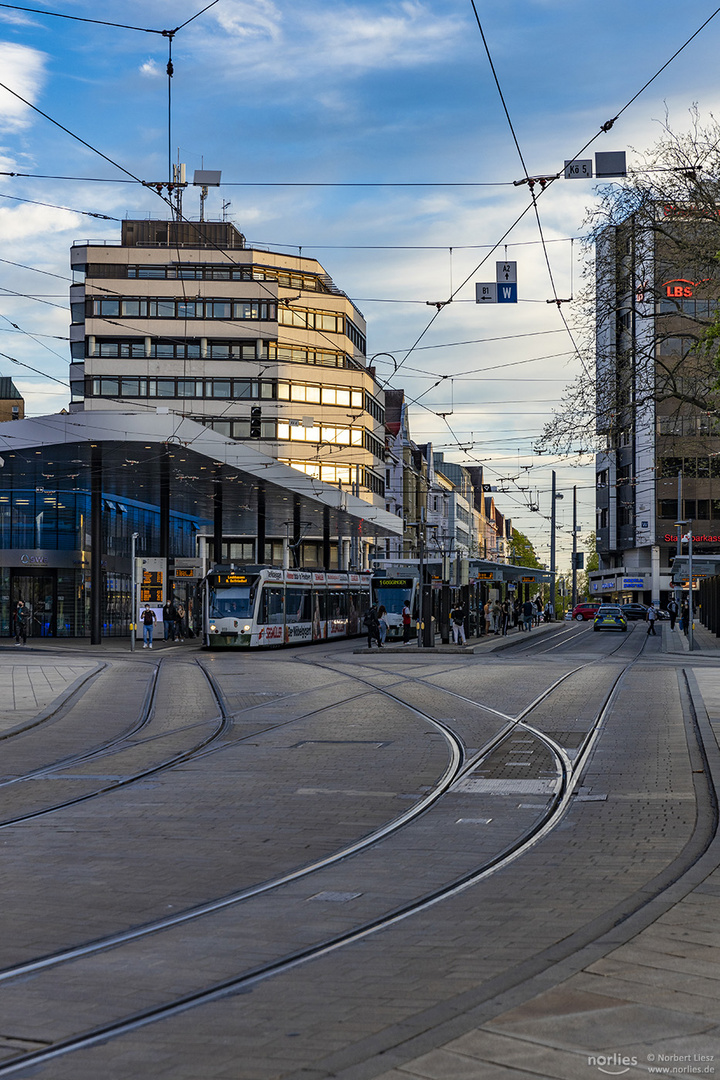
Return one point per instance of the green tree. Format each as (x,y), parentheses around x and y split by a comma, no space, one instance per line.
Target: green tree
(592,562)
(522,553)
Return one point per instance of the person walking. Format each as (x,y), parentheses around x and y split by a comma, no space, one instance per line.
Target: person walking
(382,620)
(672,610)
(505,617)
(685,617)
(372,623)
(549,612)
(179,619)
(20,620)
(528,610)
(457,621)
(149,618)
(496,616)
(651,616)
(168,621)
(407,623)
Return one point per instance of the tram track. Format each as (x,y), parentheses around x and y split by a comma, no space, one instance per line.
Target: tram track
(568,773)
(118,745)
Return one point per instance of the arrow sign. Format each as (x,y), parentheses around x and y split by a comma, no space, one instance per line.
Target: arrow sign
(506,272)
(486,292)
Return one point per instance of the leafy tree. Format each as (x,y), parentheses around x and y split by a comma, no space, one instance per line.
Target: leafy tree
(652,249)
(522,553)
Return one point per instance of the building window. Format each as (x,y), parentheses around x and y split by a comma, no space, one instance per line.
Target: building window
(668,508)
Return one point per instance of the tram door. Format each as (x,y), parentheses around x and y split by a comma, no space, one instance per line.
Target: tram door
(38,589)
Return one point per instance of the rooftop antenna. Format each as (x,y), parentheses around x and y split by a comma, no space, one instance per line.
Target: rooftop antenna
(226,207)
(205,178)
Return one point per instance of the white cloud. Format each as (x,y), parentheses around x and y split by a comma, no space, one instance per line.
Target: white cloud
(259,19)
(151,69)
(23,71)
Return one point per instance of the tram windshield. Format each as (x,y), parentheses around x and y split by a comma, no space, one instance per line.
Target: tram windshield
(234,602)
(392,599)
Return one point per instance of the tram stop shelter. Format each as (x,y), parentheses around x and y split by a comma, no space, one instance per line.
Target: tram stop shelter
(74,489)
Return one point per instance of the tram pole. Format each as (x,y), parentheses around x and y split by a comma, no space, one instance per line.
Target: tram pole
(133,590)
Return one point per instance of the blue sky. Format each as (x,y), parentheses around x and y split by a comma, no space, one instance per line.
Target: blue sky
(373,93)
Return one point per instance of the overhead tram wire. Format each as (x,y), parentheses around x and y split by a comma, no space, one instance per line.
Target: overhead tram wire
(54,206)
(604,128)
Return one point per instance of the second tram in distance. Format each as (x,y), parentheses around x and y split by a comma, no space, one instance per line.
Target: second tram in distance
(253,606)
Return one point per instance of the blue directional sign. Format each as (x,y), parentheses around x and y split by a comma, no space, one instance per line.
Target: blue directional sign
(507,293)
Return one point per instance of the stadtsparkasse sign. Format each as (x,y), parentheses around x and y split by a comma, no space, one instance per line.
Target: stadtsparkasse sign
(698,538)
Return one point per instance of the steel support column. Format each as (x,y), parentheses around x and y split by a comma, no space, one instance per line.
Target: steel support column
(96,544)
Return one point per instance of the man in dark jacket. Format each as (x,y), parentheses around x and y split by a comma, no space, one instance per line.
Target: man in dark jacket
(372,622)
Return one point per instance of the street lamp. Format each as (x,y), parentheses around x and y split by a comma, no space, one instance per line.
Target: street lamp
(681,539)
(133,591)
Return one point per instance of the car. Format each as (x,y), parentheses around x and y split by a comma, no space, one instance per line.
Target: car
(634,611)
(610,617)
(585,612)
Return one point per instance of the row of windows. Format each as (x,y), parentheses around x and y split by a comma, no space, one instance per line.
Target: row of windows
(339,474)
(207,272)
(210,348)
(328,321)
(701,468)
(693,309)
(228,389)
(281,430)
(693,509)
(687,425)
(140,307)
(157,348)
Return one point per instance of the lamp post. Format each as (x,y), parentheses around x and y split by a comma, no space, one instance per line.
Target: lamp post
(133,590)
(688,537)
(554,496)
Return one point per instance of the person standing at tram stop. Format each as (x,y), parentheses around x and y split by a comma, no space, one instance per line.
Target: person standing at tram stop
(457,621)
(382,623)
(148,619)
(672,610)
(20,620)
(407,622)
(372,623)
(528,610)
(651,616)
(179,617)
(168,620)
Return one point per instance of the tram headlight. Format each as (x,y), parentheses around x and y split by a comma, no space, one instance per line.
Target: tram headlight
(213,628)
(246,629)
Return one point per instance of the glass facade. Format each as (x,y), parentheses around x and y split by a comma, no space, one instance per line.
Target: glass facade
(57,597)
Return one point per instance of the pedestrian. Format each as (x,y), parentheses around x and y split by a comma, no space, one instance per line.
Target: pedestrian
(538,609)
(528,609)
(549,612)
(457,621)
(517,614)
(672,610)
(651,616)
(481,620)
(496,615)
(149,619)
(407,623)
(505,617)
(168,620)
(373,627)
(179,619)
(382,620)
(685,616)
(20,620)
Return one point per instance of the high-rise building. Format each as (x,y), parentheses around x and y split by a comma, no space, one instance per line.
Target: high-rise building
(657,294)
(182,317)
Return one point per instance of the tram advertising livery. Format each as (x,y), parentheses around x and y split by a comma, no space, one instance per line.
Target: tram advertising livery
(253,606)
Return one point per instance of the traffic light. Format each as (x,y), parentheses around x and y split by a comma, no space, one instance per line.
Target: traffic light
(255,422)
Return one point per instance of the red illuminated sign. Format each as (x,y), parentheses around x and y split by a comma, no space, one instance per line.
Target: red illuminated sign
(681,288)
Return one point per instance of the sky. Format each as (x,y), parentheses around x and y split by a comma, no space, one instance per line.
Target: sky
(373,137)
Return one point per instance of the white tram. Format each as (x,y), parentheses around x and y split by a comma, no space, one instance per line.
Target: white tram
(392,588)
(254,605)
